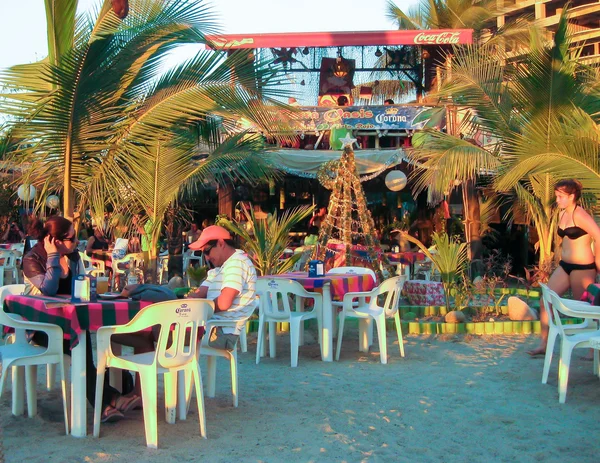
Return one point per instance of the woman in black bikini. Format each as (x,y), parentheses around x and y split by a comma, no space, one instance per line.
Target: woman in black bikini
(578,265)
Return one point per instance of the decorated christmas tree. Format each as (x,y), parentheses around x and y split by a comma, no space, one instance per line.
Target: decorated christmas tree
(348,228)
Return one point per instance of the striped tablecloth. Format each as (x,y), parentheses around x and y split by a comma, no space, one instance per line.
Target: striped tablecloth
(340,284)
(73,318)
(405,258)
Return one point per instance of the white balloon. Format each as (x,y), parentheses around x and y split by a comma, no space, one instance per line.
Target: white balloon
(53,201)
(26,192)
(396,180)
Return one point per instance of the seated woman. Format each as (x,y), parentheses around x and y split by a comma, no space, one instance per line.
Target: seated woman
(48,269)
(98,242)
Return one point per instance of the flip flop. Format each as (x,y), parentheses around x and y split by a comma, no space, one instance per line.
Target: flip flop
(111,414)
(126,403)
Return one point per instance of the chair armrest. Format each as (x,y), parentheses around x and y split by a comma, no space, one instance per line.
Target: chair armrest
(349,297)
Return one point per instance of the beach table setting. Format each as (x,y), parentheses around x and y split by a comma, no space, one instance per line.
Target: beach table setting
(333,287)
(405,258)
(76,319)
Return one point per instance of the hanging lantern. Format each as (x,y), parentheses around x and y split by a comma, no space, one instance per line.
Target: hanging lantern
(395,180)
(53,201)
(26,192)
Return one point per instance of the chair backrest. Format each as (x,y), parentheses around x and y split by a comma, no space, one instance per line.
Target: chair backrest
(9,258)
(176,319)
(19,247)
(391,288)
(277,294)
(547,301)
(558,307)
(10,289)
(352,270)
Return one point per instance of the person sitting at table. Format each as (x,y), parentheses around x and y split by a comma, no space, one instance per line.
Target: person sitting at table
(231,284)
(48,269)
(98,242)
(579,264)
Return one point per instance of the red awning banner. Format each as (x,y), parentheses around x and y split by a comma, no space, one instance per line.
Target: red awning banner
(343,39)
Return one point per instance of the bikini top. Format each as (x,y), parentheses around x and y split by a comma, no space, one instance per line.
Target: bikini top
(573,232)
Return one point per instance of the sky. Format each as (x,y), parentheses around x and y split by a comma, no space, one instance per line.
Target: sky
(23,23)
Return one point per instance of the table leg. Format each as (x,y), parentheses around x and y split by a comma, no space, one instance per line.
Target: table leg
(327,325)
(78,390)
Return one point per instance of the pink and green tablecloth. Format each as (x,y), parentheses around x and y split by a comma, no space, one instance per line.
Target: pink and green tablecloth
(73,318)
(340,284)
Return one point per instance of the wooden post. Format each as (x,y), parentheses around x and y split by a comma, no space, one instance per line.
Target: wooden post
(225,199)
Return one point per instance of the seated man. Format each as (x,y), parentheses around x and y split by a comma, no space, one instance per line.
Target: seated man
(231,284)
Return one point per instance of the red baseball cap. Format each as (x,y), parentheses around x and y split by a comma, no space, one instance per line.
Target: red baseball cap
(214,232)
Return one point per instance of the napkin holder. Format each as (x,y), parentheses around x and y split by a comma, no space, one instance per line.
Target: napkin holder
(83,289)
(316,268)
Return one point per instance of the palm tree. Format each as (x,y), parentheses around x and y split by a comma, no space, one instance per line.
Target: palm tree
(106,103)
(540,113)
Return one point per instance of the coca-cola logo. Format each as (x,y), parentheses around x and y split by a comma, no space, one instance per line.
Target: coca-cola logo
(442,38)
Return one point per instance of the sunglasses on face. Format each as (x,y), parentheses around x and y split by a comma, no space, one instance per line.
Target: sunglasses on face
(207,250)
(69,238)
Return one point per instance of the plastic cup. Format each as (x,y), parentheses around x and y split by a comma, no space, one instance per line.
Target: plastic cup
(101,285)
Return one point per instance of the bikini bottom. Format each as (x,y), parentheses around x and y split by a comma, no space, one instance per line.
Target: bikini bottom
(570,267)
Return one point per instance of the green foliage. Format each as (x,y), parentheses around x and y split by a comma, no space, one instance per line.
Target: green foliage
(197,274)
(266,240)
(450,259)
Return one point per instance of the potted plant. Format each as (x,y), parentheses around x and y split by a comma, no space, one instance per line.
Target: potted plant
(266,240)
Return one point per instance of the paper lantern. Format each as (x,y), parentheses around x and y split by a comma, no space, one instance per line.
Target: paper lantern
(395,180)
(26,192)
(53,201)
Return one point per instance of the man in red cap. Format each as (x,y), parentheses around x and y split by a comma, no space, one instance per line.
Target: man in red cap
(231,284)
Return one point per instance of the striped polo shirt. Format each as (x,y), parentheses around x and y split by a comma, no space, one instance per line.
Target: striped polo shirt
(237,272)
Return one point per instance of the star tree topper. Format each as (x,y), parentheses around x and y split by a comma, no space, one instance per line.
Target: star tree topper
(347,141)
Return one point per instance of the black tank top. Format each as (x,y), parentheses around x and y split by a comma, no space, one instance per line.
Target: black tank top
(65,284)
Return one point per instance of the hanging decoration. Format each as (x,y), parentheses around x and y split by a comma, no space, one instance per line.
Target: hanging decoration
(348,225)
(395,180)
(26,192)
(327,173)
(53,202)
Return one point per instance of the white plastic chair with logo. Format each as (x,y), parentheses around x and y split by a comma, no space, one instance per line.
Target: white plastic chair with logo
(366,311)
(576,339)
(275,296)
(179,321)
(21,353)
(8,260)
(138,259)
(554,331)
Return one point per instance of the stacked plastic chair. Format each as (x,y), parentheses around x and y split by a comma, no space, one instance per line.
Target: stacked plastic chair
(22,354)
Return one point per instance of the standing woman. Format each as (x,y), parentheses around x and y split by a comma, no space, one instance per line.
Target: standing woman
(578,266)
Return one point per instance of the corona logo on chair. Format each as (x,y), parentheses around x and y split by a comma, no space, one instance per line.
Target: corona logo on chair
(183,310)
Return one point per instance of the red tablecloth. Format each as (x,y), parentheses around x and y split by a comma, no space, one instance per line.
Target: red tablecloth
(405,258)
(73,318)
(340,284)
(423,292)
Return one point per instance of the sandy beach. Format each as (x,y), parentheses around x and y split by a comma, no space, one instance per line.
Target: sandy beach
(451,399)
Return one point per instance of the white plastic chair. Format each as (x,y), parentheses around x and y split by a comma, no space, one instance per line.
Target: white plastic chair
(138,259)
(589,339)
(162,267)
(212,353)
(178,320)
(554,330)
(18,247)
(391,288)
(91,265)
(275,295)
(22,353)
(9,259)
